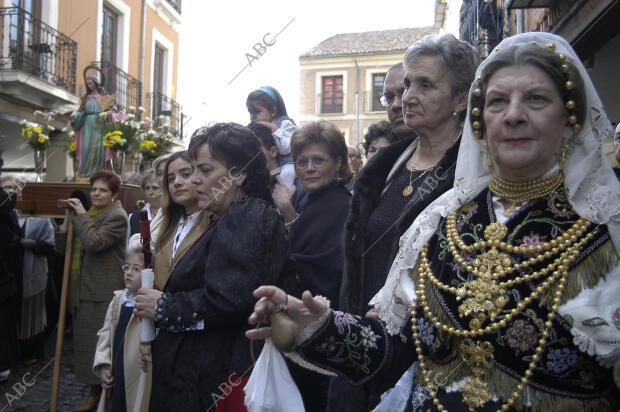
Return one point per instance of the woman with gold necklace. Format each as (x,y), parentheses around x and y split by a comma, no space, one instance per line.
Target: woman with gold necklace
(504,293)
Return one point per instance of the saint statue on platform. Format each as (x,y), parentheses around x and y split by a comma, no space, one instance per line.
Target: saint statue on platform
(91,154)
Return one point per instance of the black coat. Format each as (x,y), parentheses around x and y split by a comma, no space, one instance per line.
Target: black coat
(10,249)
(213,282)
(369,185)
(316,241)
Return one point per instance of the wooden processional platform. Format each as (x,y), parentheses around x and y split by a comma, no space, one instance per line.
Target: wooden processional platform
(40,199)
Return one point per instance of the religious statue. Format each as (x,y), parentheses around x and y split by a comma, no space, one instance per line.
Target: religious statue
(91,154)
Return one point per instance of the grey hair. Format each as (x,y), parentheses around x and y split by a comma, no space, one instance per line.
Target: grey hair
(460,59)
(149,174)
(397,67)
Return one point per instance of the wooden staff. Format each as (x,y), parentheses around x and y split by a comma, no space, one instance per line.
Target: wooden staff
(61,316)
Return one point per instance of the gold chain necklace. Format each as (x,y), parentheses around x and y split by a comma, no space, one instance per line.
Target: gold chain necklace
(520,192)
(408,190)
(478,354)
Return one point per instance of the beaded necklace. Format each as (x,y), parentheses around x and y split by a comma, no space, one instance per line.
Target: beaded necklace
(486,296)
(520,192)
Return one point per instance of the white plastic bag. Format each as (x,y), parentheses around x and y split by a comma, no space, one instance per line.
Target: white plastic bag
(270,387)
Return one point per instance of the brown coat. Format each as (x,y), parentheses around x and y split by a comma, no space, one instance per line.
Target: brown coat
(103,241)
(163,264)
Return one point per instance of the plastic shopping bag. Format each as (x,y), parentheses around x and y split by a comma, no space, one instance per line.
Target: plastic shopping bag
(270,387)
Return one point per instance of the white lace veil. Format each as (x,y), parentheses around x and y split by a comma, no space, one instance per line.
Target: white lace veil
(592,187)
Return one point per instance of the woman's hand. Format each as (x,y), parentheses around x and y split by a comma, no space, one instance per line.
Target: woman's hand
(303,312)
(76,206)
(28,243)
(283,198)
(270,125)
(144,361)
(146,300)
(107,380)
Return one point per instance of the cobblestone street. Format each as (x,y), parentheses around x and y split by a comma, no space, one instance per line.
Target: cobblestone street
(29,387)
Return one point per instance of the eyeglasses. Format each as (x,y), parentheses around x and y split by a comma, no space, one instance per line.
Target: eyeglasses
(134,268)
(388,98)
(317,161)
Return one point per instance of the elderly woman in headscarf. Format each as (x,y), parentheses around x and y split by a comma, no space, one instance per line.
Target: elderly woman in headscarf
(504,292)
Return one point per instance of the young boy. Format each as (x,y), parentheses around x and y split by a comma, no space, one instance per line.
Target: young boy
(117,358)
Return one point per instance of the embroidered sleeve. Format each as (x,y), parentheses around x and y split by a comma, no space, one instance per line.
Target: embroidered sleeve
(353,347)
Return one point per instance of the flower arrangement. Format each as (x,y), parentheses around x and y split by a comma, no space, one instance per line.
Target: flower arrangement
(36,134)
(114,141)
(148,148)
(71,150)
(155,138)
(122,124)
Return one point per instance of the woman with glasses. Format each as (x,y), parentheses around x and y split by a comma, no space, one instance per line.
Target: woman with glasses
(321,164)
(97,253)
(403,178)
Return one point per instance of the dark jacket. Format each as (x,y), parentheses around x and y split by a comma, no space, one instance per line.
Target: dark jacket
(213,283)
(316,241)
(369,185)
(9,246)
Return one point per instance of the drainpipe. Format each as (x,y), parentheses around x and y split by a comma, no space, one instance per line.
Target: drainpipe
(142,44)
(357,101)
(520,22)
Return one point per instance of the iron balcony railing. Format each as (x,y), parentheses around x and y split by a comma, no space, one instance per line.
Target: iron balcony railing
(176,4)
(127,88)
(32,46)
(162,105)
(481,25)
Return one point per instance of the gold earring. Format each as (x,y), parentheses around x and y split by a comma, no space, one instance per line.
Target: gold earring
(565,150)
(489,159)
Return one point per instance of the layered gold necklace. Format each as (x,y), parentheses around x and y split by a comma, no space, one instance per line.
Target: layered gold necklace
(518,193)
(485,296)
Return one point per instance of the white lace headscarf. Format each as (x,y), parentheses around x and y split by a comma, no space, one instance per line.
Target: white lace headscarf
(592,188)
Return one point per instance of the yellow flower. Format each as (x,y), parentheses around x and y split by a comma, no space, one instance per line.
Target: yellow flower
(41,139)
(72,147)
(29,132)
(38,129)
(23,132)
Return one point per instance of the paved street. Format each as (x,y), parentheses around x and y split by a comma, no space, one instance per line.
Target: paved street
(29,387)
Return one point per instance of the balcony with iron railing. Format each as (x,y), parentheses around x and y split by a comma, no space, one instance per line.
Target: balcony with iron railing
(37,63)
(481,25)
(162,105)
(176,4)
(127,88)
(170,10)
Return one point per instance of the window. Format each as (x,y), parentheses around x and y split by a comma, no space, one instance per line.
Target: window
(110,36)
(158,79)
(332,94)
(377,90)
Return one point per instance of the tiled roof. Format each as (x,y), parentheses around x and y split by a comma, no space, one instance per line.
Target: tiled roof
(370,42)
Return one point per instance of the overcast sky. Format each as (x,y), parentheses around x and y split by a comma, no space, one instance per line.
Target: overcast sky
(215,37)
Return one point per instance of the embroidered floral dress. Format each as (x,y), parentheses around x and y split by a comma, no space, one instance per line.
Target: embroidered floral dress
(573,369)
